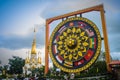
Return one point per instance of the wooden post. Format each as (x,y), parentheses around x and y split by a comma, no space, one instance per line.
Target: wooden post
(104,28)
(46,48)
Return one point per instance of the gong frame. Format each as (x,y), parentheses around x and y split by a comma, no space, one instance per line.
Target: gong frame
(99,8)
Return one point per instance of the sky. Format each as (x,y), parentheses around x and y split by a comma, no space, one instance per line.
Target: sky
(19,17)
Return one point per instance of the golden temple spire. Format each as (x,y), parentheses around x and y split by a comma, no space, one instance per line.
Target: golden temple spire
(33,49)
(39,58)
(27,60)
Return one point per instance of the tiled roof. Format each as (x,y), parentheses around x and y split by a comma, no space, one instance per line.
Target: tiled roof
(115,62)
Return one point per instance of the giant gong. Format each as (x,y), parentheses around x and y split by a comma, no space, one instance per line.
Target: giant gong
(75,44)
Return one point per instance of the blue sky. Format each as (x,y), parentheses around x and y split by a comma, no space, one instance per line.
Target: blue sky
(19,17)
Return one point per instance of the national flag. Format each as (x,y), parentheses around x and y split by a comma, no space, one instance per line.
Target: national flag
(88,55)
(92,43)
(90,32)
(77,63)
(57,37)
(81,24)
(95,43)
(71,24)
(59,58)
(54,41)
(68,63)
(55,49)
(62,29)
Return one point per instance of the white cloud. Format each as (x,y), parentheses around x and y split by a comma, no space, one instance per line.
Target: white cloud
(68,6)
(112,6)
(115,55)
(78,4)
(24,26)
(7,54)
(22,22)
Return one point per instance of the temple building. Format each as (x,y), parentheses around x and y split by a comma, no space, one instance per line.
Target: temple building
(33,59)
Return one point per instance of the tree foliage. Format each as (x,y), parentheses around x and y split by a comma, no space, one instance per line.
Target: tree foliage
(16,65)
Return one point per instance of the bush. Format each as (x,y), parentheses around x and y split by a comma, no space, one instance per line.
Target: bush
(3,76)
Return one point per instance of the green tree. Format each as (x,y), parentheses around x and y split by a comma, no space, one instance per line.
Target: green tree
(101,56)
(0,62)
(1,68)
(16,65)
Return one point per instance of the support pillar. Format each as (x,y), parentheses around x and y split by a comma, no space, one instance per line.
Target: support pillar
(46,48)
(104,28)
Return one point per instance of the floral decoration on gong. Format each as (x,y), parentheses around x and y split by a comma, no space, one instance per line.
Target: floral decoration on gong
(75,44)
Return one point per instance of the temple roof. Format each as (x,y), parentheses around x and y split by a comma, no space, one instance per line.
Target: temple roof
(33,49)
(116,62)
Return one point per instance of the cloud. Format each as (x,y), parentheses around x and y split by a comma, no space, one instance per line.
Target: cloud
(114,40)
(111,5)
(112,11)
(67,6)
(17,23)
(22,27)
(18,42)
(115,55)
(8,53)
(113,25)
(19,17)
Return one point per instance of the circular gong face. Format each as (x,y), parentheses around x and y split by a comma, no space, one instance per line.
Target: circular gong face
(75,44)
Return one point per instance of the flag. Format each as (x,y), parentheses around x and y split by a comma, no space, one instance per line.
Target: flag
(59,58)
(88,55)
(71,24)
(62,29)
(82,24)
(54,41)
(57,38)
(92,43)
(68,63)
(55,49)
(77,63)
(90,32)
